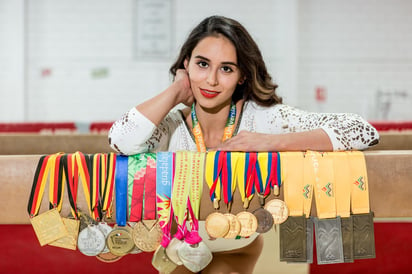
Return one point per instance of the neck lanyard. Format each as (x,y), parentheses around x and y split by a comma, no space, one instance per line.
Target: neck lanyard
(197,130)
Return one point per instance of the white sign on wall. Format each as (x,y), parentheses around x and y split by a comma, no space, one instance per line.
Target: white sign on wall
(154,28)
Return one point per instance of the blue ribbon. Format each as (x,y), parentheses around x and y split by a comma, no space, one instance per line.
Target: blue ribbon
(121,189)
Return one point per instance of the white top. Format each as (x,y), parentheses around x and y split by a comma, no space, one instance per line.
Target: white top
(133,133)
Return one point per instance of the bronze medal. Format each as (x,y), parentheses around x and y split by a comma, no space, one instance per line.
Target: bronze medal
(91,241)
(171,251)
(48,226)
(161,261)
(120,241)
(248,223)
(234,226)
(278,209)
(217,225)
(264,220)
(108,257)
(195,257)
(69,241)
(147,235)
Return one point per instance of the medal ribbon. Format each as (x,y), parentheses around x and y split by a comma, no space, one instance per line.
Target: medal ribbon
(39,183)
(292,176)
(95,183)
(164,181)
(197,130)
(274,176)
(359,179)
(263,168)
(195,195)
(251,176)
(324,185)
(212,176)
(72,177)
(84,168)
(240,176)
(343,181)
(121,189)
(180,190)
(108,163)
(56,182)
(228,184)
(142,192)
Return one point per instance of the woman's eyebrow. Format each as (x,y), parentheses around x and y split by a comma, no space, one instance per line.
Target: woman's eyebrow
(208,60)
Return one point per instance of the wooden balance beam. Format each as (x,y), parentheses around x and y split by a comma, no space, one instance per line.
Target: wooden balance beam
(389,175)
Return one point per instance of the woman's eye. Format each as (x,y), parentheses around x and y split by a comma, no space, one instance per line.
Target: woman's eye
(227,69)
(202,64)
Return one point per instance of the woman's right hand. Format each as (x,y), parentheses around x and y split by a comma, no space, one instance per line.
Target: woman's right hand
(182,86)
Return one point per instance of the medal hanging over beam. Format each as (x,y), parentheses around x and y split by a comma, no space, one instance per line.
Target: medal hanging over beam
(120,241)
(194,253)
(56,197)
(164,180)
(147,233)
(248,221)
(217,224)
(363,231)
(48,226)
(261,179)
(91,240)
(328,229)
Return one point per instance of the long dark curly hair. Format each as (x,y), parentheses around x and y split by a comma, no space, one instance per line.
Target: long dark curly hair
(258,85)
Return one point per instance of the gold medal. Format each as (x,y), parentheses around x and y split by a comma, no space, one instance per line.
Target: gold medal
(69,241)
(217,225)
(120,241)
(248,223)
(147,235)
(234,226)
(48,226)
(161,261)
(278,209)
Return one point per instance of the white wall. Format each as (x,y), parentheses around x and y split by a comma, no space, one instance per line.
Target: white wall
(80,58)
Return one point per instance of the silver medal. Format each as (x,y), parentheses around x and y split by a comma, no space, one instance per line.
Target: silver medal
(171,251)
(91,241)
(195,257)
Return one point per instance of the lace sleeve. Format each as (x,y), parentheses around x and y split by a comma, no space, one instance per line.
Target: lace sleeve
(133,133)
(346,131)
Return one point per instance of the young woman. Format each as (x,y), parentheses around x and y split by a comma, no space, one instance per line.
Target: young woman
(221,77)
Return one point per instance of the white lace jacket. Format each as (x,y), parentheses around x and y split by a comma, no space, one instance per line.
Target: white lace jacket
(134,133)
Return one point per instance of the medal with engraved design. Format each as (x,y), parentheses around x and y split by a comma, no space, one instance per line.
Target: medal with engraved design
(162,262)
(234,226)
(120,241)
(278,209)
(217,225)
(91,241)
(264,217)
(147,235)
(195,257)
(248,223)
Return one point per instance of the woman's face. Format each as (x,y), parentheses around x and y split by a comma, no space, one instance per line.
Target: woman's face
(213,71)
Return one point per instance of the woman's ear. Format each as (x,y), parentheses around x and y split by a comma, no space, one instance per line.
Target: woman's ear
(186,63)
(242,80)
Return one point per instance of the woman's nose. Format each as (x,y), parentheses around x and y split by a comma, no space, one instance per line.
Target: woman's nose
(212,79)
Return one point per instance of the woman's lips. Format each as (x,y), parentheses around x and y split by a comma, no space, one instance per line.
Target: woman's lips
(209,93)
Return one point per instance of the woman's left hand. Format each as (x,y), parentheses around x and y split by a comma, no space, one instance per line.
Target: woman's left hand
(249,141)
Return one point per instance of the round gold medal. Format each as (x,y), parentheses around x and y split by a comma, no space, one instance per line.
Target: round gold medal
(278,209)
(217,225)
(120,241)
(234,226)
(147,235)
(248,223)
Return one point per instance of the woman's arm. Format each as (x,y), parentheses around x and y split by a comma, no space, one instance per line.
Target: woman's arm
(284,128)
(144,128)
